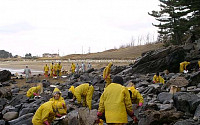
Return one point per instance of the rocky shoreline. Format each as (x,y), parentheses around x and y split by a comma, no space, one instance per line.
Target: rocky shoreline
(162,106)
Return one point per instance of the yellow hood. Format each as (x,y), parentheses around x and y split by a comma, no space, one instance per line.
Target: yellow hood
(72,89)
(56,90)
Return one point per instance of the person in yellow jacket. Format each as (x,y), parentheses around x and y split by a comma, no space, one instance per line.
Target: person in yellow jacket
(73,67)
(199,64)
(46,113)
(55,70)
(106,74)
(46,70)
(84,93)
(51,69)
(135,95)
(34,91)
(183,66)
(59,67)
(57,97)
(158,79)
(115,102)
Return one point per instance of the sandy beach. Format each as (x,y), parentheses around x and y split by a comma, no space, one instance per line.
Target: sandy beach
(37,66)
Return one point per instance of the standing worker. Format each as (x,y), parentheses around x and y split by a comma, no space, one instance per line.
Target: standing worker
(27,72)
(77,69)
(55,70)
(46,113)
(82,92)
(183,66)
(51,69)
(135,95)
(57,97)
(158,79)
(73,67)
(89,66)
(46,70)
(115,102)
(83,67)
(106,74)
(59,67)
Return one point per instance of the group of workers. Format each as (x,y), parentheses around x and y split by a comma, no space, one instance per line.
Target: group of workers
(77,69)
(115,102)
(55,69)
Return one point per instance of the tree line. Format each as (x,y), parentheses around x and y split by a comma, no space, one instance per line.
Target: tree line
(179,20)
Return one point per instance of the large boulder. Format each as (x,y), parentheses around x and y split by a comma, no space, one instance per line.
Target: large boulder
(10,116)
(153,117)
(160,60)
(164,96)
(23,120)
(5,93)
(186,102)
(5,75)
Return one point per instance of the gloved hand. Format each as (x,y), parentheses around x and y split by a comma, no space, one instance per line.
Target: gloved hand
(46,123)
(35,94)
(134,119)
(59,115)
(140,104)
(99,114)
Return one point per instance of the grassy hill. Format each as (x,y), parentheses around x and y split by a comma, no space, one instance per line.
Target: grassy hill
(122,53)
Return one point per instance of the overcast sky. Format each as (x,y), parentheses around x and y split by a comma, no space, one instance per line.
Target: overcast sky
(73,26)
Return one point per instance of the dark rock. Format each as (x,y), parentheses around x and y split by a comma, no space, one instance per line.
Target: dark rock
(7,83)
(10,116)
(117,69)
(194,79)
(164,96)
(185,102)
(26,111)
(96,95)
(3,102)
(90,70)
(160,117)
(16,90)
(160,60)
(25,119)
(9,109)
(18,100)
(197,113)
(5,93)
(95,106)
(2,122)
(73,118)
(45,83)
(186,122)
(5,75)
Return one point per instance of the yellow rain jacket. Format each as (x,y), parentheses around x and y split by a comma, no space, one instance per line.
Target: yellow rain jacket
(33,90)
(106,74)
(183,65)
(63,109)
(116,103)
(59,67)
(83,92)
(51,69)
(158,79)
(55,69)
(136,96)
(46,68)
(73,67)
(44,113)
(199,63)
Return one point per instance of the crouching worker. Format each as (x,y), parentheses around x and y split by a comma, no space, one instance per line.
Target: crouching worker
(115,102)
(34,91)
(83,92)
(57,98)
(135,95)
(158,79)
(46,113)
